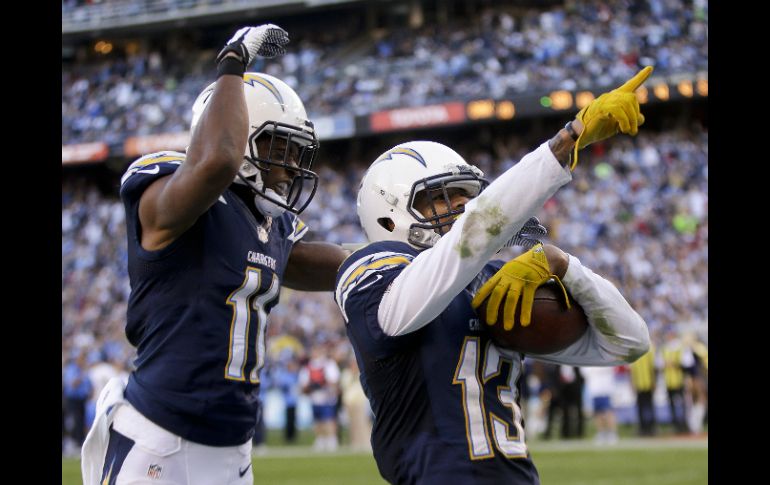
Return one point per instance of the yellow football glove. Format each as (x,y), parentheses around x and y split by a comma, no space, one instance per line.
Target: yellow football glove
(519,277)
(610,112)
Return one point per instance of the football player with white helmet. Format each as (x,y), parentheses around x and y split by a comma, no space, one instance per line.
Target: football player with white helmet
(213,234)
(444,396)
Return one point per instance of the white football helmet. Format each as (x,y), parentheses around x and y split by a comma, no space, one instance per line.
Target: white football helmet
(275,110)
(388,190)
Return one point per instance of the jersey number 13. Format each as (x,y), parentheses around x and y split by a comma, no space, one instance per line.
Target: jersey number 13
(478,422)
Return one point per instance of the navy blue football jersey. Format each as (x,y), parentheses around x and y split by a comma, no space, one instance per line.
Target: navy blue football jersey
(445,399)
(197,312)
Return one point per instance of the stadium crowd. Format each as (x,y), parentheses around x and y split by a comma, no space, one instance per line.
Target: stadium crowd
(498,52)
(636,211)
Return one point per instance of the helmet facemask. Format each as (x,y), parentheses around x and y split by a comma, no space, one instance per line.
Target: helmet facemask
(295,155)
(275,111)
(429,228)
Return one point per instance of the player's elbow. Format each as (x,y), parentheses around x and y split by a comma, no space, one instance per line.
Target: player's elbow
(641,342)
(637,352)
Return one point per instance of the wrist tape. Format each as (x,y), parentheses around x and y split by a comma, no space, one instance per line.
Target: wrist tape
(230,65)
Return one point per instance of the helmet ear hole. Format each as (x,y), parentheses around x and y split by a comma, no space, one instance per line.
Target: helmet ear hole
(387,223)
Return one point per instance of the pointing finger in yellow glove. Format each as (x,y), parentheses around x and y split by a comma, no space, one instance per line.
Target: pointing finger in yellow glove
(611,112)
(518,278)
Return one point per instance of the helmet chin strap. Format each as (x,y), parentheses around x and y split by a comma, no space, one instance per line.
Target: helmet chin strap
(421,237)
(267,207)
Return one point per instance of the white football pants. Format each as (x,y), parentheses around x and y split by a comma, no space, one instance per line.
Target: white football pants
(140,452)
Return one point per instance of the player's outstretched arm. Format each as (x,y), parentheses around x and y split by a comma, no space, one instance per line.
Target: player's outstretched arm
(313,266)
(172,204)
(613,112)
(498,213)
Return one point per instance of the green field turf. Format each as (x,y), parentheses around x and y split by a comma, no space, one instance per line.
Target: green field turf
(632,462)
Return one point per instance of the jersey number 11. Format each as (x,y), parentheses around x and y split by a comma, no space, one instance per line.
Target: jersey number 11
(240,299)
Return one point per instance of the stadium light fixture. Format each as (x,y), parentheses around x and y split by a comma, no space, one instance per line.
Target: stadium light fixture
(103,47)
(685,88)
(661,91)
(481,108)
(506,110)
(561,99)
(583,98)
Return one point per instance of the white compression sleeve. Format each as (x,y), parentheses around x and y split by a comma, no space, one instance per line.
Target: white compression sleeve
(430,282)
(617,333)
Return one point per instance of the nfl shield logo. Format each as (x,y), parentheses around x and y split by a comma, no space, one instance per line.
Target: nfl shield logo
(154,471)
(262,234)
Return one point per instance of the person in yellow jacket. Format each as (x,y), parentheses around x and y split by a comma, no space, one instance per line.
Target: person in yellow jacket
(675,359)
(643,376)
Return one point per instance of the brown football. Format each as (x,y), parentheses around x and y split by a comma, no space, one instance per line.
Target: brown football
(553,327)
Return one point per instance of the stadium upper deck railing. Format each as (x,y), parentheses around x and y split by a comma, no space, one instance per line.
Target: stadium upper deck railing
(126,13)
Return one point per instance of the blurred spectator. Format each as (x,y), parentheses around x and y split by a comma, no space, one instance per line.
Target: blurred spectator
(286,379)
(356,407)
(319,378)
(77,390)
(572,384)
(600,384)
(674,360)
(550,396)
(259,440)
(535,397)
(643,377)
(698,375)
(564,394)
(101,369)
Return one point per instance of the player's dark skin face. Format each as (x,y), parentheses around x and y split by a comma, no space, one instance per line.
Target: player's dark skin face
(278,178)
(457,197)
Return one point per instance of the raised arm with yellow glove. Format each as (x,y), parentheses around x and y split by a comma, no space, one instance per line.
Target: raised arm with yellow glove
(611,112)
(519,278)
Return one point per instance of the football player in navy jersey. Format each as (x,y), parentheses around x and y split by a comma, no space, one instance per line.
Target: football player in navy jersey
(444,396)
(213,234)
